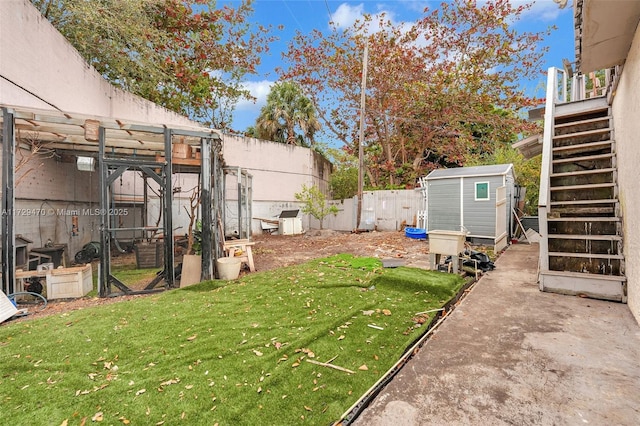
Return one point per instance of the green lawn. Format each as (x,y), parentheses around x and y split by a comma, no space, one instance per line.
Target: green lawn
(221,352)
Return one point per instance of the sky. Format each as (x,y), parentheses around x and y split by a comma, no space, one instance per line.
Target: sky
(306,15)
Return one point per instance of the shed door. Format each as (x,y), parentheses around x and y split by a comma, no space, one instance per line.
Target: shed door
(501,219)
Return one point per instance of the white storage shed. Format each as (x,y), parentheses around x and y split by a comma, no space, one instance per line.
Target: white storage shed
(477,199)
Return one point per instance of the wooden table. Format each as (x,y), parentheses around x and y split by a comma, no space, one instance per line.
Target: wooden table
(244,246)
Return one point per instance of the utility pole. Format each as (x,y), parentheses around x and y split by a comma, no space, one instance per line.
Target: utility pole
(361,138)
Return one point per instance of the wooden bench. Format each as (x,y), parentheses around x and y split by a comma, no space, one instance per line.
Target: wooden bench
(244,246)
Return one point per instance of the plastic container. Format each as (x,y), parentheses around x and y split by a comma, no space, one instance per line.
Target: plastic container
(228,268)
(416,233)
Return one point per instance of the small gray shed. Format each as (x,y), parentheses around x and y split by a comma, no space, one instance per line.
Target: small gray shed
(476,199)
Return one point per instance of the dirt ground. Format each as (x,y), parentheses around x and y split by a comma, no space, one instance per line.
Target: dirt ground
(276,251)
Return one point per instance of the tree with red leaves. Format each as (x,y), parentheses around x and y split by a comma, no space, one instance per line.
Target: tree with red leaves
(439,90)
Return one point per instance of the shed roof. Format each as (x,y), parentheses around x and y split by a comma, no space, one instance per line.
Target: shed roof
(475,171)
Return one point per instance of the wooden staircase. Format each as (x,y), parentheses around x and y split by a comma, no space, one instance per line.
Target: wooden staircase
(581,248)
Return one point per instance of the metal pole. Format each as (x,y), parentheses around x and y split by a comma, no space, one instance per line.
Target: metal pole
(240,235)
(105,269)
(361,138)
(169,267)
(8,201)
(205,206)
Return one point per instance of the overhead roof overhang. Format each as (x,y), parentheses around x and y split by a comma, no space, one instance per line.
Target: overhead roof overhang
(67,132)
(604,31)
(529,147)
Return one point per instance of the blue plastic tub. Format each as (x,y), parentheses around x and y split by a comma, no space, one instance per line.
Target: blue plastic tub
(416,233)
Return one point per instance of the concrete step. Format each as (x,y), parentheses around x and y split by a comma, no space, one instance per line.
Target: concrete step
(596,286)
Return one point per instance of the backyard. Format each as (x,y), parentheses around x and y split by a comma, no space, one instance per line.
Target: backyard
(291,344)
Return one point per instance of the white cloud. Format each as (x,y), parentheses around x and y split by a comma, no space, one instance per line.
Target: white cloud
(259,90)
(543,10)
(346,15)
(540,10)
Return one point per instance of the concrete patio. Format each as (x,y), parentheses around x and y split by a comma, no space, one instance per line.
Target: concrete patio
(512,355)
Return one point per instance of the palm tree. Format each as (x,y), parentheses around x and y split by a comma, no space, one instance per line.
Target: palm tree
(287,109)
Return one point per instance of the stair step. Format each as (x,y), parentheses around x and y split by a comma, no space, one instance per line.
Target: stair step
(582,146)
(582,187)
(582,202)
(583,172)
(586,275)
(579,122)
(593,107)
(585,158)
(584,219)
(585,210)
(585,237)
(587,255)
(583,133)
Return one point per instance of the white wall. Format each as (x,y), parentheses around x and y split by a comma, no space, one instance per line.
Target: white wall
(626,110)
(278,171)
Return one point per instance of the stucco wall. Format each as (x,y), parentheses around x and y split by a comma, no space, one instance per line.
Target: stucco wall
(626,110)
(278,171)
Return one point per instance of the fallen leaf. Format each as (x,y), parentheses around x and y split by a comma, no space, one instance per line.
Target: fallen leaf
(140,392)
(341,337)
(368,313)
(64,423)
(190,338)
(98,417)
(307,408)
(257,352)
(363,367)
(386,312)
(170,382)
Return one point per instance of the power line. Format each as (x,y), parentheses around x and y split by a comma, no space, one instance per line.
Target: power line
(328,9)
(292,14)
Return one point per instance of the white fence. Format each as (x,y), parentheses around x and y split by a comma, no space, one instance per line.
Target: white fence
(387,210)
